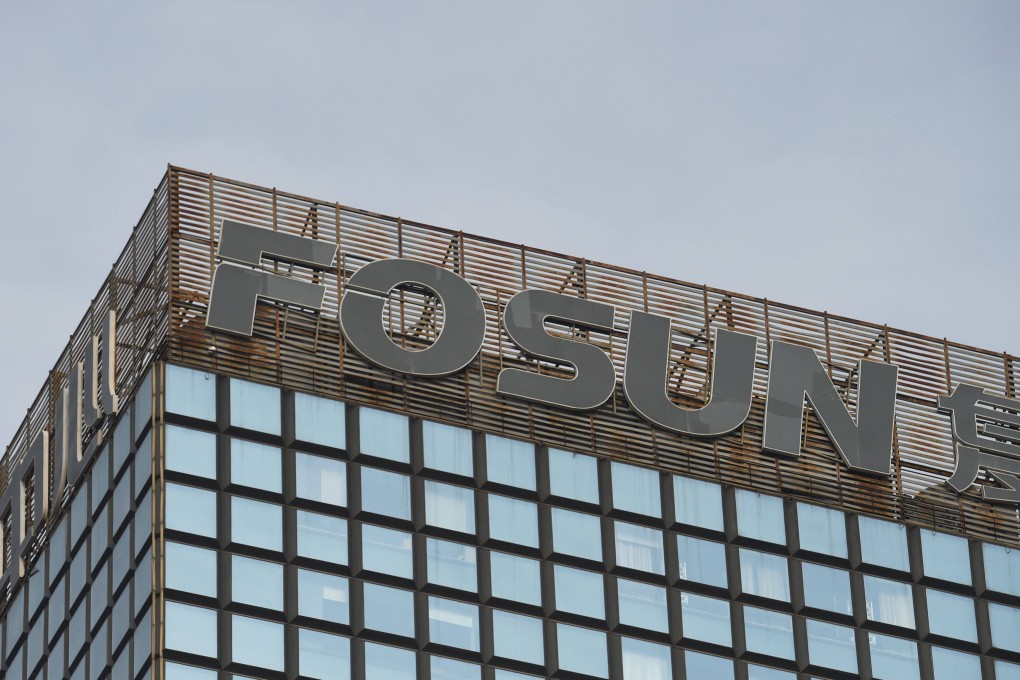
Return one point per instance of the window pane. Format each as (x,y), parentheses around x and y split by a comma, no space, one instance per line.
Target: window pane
(951,615)
(386,551)
(760,517)
(256,523)
(450,507)
(190,393)
(827,588)
(385,493)
(889,601)
(706,619)
(1006,671)
(323,596)
(1005,622)
(893,658)
(764,575)
(636,489)
(517,637)
(946,557)
(698,503)
(190,569)
(189,629)
(573,475)
(755,672)
(639,548)
(323,656)
(453,565)
(383,662)
(582,650)
(384,434)
(254,406)
(821,530)
(645,660)
(643,605)
(442,668)
(191,510)
(884,544)
(256,582)
(577,534)
(190,451)
(516,578)
(319,421)
(321,537)
(702,561)
(952,665)
(705,666)
(257,643)
(831,646)
(579,592)
(176,671)
(453,624)
(321,479)
(447,448)
(1002,568)
(389,610)
(513,521)
(255,465)
(510,462)
(768,632)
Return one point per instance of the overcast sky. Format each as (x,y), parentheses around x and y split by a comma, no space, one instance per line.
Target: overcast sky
(856,157)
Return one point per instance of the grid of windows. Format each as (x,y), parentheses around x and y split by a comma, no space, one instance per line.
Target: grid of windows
(416,550)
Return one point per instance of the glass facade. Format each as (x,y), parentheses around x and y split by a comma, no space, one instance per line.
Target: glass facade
(300,537)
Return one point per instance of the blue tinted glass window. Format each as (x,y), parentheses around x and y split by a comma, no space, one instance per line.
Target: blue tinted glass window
(645,660)
(189,629)
(513,521)
(190,569)
(443,668)
(951,615)
(256,465)
(760,516)
(755,672)
(949,664)
(573,475)
(190,451)
(321,537)
(517,637)
(577,534)
(707,666)
(191,510)
(706,619)
(319,421)
(582,650)
(821,530)
(827,588)
(254,406)
(256,582)
(516,578)
(764,575)
(698,503)
(768,632)
(579,592)
(190,393)
(453,624)
(1005,623)
(640,548)
(1006,671)
(643,605)
(384,434)
(450,507)
(447,448)
(1002,568)
(323,596)
(510,675)
(510,462)
(636,489)
(889,601)
(945,556)
(883,543)
(453,565)
(321,479)
(702,561)
(893,658)
(257,643)
(386,551)
(831,646)
(177,671)
(323,656)
(385,493)
(383,662)
(256,523)
(389,610)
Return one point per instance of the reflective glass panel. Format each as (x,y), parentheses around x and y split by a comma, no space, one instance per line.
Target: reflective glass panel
(639,547)
(945,556)
(1006,671)
(760,516)
(385,493)
(1005,623)
(768,632)
(256,523)
(256,465)
(755,672)
(323,656)
(510,462)
(577,534)
(256,582)
(821,530)
(582,650)
(190,629)
(951,615)
(516,578)
(702,561)
(190,393)
(706,619)
(384,434)
(1002,568)
(883,543)
(191,510)
(579,592)
(643,605)
(254,406)
(321,479)
(517,637)
(383,662)
(319,421)
(190,569)
(190,451)
(321,537)
(442,668)
(513,521)
(764,575)
(831,646)
(950,664)
(636,489)
(447,448)
(453,565)
(323,596)
(386,551)
(450,507)
(573,475)
(257,643)
(453,624)
(827,588)
(645,660)
(177,671)
(893,658)
(705,666)
(389,610)
(889,601)
(698,503)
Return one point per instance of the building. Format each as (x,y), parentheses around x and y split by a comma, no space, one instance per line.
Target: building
(219,479)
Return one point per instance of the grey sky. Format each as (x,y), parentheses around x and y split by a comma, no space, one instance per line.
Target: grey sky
(859,157)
